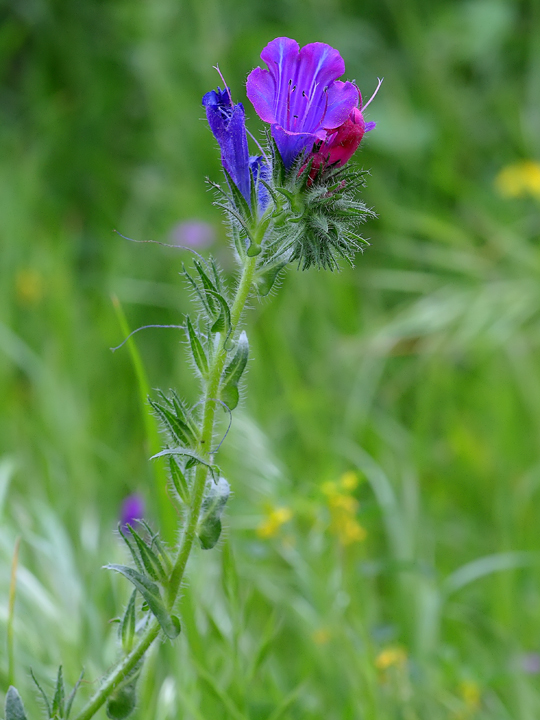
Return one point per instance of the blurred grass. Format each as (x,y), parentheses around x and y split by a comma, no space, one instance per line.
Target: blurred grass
(418,369)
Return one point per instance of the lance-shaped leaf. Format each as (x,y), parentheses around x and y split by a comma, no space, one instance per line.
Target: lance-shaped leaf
(155,541)
(42,693)
(72,694)
(182,412)
(233,373)
(217,277)
(14,708)
(150,592)
(209,525)
(127,626)
(197,350)
(266,278)
(173,422)
(179,480)
(132,548)
(58,703)
(149,558)
(207,284)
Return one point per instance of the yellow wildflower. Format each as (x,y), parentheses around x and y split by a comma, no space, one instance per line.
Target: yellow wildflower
(271,525)
(393,656)
(349,481)
(470,692)
(350,531)
(29,286)
(519,179)
(343,508)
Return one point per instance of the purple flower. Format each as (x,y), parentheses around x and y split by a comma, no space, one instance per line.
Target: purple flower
(227,122)
(193,233)
(300,94)
(132,510)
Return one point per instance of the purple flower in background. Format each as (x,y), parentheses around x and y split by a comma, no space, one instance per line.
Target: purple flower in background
(193,233)
(300,94)
(132,510)
(227,122)
(530,663)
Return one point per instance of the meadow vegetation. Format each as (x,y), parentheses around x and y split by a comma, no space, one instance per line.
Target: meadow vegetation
(380,555)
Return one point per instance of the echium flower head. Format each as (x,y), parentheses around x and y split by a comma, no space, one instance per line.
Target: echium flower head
(300,95)
(228,124)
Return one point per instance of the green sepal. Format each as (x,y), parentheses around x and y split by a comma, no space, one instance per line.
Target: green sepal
(14,708)
(59,698)
(265,279)
(150,592)
(42,693)
(178,480)
(209,525)
(233,372)
(197,350)
(127,626)
(72,694)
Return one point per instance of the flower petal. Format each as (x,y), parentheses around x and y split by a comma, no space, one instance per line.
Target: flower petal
(290,144)
(261,90)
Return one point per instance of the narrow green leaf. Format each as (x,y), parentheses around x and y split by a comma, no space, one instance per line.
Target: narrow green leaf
(150,592)
(207,285)
(179,480)
(195,287)
(199,355)
(127,627)
(167,514)
(72,694)
(131,548)
(58,703)
(155,541)
(150,560)
(217,276)
(233,373)
(42,693)
(183,413)
(14,708)
(209,525)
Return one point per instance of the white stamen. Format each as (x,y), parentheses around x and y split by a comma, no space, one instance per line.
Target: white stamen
(226,87)
(371,98)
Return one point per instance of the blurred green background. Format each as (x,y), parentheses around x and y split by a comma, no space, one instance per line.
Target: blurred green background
(381,553)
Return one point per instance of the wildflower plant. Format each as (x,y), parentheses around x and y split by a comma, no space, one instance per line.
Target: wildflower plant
(294,201)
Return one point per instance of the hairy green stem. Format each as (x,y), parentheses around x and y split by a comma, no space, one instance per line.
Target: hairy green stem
(208,418)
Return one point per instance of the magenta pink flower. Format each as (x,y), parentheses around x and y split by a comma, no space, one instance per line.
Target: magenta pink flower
(300,94)
(340,145)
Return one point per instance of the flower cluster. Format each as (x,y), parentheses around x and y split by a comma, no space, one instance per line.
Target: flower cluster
(343,508)
(296,201)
